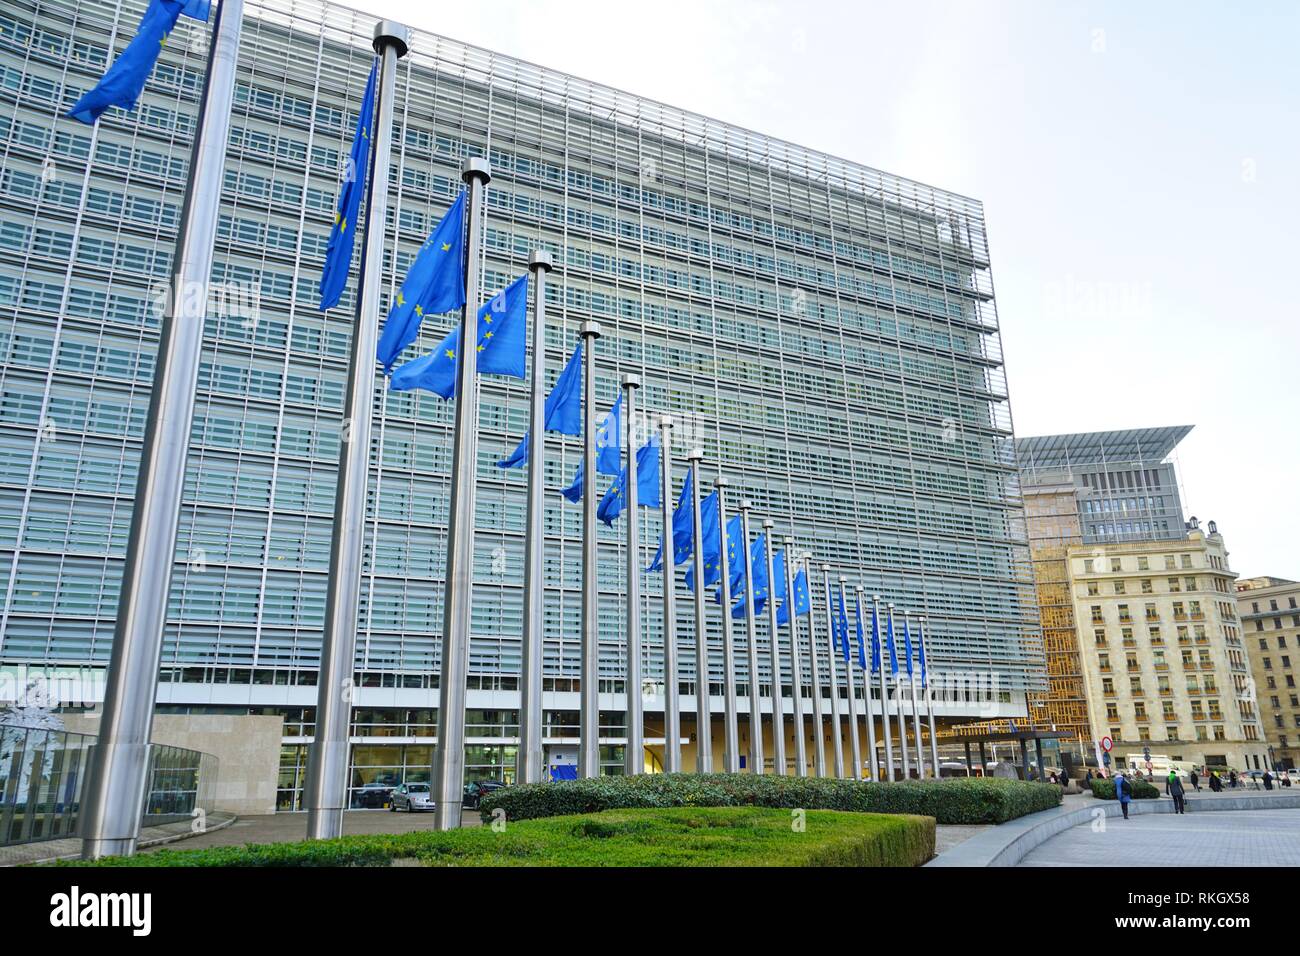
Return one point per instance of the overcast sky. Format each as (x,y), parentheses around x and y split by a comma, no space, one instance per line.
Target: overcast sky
(1139,164)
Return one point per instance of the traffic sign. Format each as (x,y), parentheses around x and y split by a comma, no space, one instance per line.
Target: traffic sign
(1106,744)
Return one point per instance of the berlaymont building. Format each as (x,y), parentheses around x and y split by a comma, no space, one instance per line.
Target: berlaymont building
(829,332)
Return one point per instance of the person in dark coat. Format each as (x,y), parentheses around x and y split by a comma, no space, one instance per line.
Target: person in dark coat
(1088,776)
(1232,779)
(1174,787)
(1123,793)
(1216,784)
(1268,780)
(1195,781)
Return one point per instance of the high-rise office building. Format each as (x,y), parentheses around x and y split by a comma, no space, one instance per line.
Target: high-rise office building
(1269,609)
(826,332)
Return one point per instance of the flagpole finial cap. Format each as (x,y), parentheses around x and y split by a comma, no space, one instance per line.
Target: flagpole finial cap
(769,523)
(843,579)
(875,597)
(476,167)
(826,569)
(807,556)
(890,605)
(665,421)
(631,380)
(540,261)
(860,589)
(590,329)
(392,33)
(721,481)
(788,541)
(921,618)
(696,454)
(745,504)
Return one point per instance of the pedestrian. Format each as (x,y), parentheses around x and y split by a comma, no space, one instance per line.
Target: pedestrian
(1052,776)
(1088,777)
(1174,787)
(1232,779)
(1286,778)
(1195,781)
(1123,793)
(1268,780)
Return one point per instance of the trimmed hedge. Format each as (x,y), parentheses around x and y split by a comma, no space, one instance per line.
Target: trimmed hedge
(680,836)
(1104,789)
(959,800)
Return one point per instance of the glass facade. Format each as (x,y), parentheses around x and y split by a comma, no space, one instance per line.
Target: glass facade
(826,331)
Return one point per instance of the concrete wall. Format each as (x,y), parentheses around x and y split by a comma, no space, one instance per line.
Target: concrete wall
(246,747)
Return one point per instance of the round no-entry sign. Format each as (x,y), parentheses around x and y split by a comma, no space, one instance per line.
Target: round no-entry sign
(1106,744)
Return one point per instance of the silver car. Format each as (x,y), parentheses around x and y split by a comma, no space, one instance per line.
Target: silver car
(411,797)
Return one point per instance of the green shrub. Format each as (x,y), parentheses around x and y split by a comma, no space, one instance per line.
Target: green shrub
(680,836)
(958,800)
(1104,789)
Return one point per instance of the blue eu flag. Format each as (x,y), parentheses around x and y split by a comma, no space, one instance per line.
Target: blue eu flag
(198,9)
(907,646)
(338,257)
(710,543)
(647,484)
(123,82)
(683,529)
(842,625)
(862,637)
(501,328)
(609,448)
(435,283)
(889,644)
(875,640)
(921,635)
(802,599)
(736,568)
(562,412)
(763,588)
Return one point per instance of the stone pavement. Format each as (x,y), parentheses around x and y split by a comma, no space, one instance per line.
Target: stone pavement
(69,848)
(1235,838)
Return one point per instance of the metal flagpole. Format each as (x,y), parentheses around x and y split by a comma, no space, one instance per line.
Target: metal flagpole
(902,717)
(326,785)
(853,697)
(115,793)
(916,717)
(837,739)
(929,708)
(814,674)
(757,755)
(884,694)
(703,719)
(634,750)
(457,615)
(796,667)
(589,674)
(531,761)
(774,638)
(730,732)
(672,703)
(872,758)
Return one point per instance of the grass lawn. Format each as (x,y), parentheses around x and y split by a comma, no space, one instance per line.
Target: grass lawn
(677,836)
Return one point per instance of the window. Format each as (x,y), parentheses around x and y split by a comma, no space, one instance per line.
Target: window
(1116,564)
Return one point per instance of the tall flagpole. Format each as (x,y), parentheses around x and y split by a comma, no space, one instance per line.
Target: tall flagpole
(530,763)
(589,672)
(457,612)
(814,674)
(929,708)
(916,715)
(115,791)
(634,750)
(730,732)
(853,697)
(837,739)
(672,683)
(884,693)
(703,719)
(873,760)
(796,666)
(902,717)
(757,755)
(778,702)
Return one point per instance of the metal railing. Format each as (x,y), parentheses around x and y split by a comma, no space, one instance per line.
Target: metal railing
(42,773)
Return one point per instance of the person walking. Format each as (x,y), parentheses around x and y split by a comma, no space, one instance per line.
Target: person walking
(1174,787)
(1268,780)
(1195,781)
(1286,778)
(1123,793)
(1232,779)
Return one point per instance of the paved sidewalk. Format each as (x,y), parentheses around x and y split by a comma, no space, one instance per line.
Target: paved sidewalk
(69,848)
(290,827)
(1237,838)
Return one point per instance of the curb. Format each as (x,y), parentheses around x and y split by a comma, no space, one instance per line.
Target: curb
(1009,843)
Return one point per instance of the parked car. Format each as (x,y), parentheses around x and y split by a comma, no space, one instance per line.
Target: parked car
(411,797)
(373,796)
(476,790)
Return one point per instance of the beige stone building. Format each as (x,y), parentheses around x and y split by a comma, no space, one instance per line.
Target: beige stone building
(1162,651)
(1269,609)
